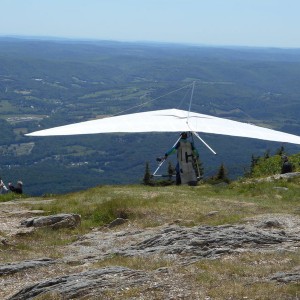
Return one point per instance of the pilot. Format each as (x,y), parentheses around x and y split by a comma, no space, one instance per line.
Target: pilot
(186,153)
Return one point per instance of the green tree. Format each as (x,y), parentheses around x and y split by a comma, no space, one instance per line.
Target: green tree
(254,162)
(147,175)
(267,154)
(280,151)
(222,174)
(171,170)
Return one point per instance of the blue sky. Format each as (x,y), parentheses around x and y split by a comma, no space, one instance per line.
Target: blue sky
(263,23)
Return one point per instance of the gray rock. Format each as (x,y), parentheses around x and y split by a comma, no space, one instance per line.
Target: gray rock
(117,222)
(205,241)
(270,224)
(189,244)
(280,188)
(286,176)
(53,221)
(212,213)
(85,285)
(4,241)
(15,267)
(286,277)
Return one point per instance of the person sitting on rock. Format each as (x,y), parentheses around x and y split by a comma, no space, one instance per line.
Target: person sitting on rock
(18,189)
(287,167)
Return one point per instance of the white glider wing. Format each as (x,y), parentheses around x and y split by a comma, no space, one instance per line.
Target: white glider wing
(169,120)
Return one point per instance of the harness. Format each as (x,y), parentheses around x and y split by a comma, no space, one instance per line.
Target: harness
(185,152)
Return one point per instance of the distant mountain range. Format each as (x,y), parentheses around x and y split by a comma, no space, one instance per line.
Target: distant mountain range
(46,83)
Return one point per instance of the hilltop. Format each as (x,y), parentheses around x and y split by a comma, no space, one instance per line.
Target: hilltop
(235,241)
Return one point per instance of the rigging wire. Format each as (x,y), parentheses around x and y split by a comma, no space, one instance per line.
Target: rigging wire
(152,100)
(183,100)
(192,93)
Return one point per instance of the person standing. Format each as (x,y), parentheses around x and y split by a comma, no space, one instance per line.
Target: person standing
(186,153)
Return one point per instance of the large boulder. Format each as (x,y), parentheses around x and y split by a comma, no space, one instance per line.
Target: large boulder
(54,221)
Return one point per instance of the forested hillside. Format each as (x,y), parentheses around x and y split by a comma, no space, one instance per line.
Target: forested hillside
(50,83)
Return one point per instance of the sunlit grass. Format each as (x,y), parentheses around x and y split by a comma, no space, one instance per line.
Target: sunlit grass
(153,206)
(135,262)
(49,296)
(245,276)
(11,196)
(41,243)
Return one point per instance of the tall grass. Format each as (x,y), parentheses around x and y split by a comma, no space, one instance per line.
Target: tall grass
(11,196)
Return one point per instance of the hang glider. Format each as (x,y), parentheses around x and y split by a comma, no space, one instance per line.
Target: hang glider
(170,120)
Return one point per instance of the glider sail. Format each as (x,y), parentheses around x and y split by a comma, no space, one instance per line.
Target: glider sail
(170,120)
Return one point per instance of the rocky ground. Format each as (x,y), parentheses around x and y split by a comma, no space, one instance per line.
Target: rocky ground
(78,273)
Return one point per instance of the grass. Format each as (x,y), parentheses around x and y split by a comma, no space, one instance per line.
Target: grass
(272,165)
(153,206)
(232,277)
(137,262)
(11,196)
(41,243)
(244,276)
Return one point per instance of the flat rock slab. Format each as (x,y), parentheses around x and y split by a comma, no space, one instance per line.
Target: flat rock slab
(10,268)
(189,244)
(287,277)
(285,176)
(206,241)
(86,285)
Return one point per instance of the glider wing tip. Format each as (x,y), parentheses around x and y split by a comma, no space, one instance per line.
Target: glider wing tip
(30,134)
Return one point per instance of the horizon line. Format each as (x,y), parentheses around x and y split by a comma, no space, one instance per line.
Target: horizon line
(190,44)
